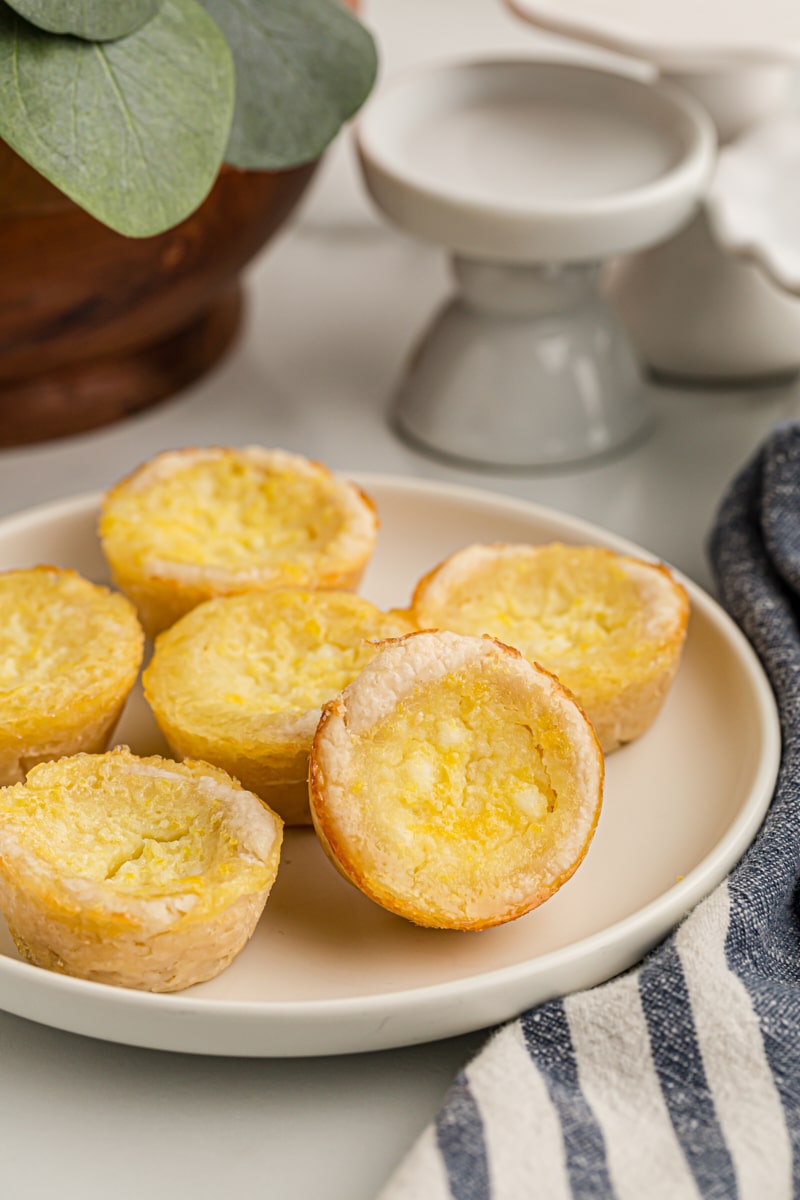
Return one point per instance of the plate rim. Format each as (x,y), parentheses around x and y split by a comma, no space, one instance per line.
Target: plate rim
(654,920)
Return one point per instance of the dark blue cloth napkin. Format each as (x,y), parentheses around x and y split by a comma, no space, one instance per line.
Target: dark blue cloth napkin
(681,1077)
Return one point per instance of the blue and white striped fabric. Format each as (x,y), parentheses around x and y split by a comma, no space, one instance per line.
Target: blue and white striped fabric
(681,1078)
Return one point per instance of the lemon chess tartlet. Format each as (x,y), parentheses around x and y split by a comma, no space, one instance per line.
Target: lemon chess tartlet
(70,651)
(201,522)
(138,872)
(455,783)
(610,626)
(241,681)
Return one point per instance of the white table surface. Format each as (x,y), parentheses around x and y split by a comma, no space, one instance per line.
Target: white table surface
(334,307)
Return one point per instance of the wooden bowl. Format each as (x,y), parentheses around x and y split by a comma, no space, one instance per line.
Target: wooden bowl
(93,325)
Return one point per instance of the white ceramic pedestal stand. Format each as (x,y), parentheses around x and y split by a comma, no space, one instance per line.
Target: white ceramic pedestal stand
(693,310)
(532,175)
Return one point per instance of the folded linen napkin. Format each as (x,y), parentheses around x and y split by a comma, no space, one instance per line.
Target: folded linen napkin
(680,1078)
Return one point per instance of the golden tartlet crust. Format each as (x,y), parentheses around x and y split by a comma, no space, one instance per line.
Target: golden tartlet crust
(610,626)
(70,651)
(455,783)
(192,524)
(240,682)
(138,872)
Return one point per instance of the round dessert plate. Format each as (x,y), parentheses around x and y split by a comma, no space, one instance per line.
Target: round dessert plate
(329,972)
(525,161)
(682,35)
(754,199)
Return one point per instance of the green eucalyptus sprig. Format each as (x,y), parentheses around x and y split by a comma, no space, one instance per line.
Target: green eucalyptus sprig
(130,107)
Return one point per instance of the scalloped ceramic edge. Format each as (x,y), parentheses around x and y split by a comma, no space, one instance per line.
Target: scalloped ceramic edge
(754,199)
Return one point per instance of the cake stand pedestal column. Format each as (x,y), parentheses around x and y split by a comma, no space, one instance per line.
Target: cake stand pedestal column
(531,175)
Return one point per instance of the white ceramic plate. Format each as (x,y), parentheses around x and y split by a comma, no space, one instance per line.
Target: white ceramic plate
(327,971)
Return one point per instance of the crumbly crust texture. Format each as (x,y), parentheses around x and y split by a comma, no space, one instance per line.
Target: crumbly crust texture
(137,872)
(455,783)
(610,626)
(70,651)
(196,523)
(241,681)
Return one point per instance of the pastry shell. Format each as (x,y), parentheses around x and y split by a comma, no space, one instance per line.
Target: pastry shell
(611,626)
(196,523)
(70,651)
(240,682)
(138,872)
(455,783)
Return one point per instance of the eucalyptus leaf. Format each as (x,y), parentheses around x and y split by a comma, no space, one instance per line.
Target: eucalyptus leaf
(303,67)
(133,130)
(94,20)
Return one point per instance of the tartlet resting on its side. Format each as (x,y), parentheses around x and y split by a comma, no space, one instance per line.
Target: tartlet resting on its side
(240,682)
(455,783)
(70,652)
(138,872)
(197,523)
(610,626)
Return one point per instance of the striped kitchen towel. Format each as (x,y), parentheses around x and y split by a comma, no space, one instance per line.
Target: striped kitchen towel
(680,1078)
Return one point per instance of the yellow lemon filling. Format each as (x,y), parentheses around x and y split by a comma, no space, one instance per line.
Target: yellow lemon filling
(64,642)
(576,610)
(609,626)
(69,655)
(197,523)
(137,872)
(137,828)
(241,681)
(455,783)
(229,512)
(474,785)
(233,661)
